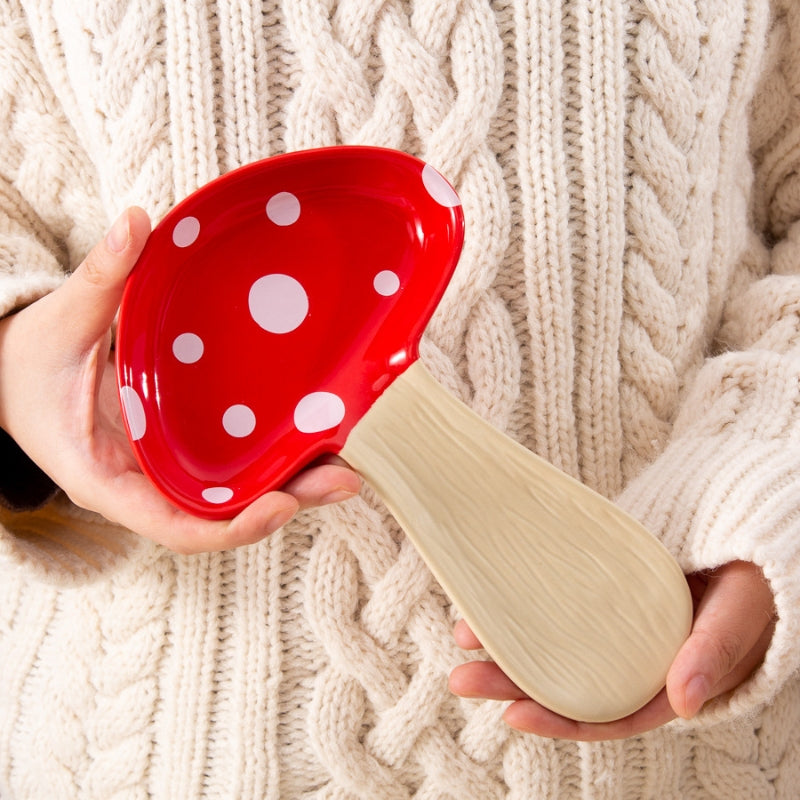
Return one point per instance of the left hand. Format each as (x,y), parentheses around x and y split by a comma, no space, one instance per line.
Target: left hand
(59,402)
(733,625)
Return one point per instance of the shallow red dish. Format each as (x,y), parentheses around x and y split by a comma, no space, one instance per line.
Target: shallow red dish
(270,309)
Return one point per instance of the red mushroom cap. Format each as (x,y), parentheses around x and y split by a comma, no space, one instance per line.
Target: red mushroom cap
(270,309)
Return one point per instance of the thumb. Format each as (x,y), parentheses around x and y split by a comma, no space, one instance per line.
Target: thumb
(94,291)
(731,619)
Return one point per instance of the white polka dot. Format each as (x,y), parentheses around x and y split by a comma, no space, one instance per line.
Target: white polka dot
(278,303)
(188,348)
(319,411)
(386,283)
(186,232)
(239,421)
(283,208)
(438,188)
(217,495)
(133,409)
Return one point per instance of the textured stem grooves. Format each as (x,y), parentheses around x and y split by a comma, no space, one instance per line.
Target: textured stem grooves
(579,604)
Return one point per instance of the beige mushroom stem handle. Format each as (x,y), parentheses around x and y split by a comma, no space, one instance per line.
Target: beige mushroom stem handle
(574,599)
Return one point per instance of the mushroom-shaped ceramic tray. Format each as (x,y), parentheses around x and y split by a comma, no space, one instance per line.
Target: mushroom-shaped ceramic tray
(275,315)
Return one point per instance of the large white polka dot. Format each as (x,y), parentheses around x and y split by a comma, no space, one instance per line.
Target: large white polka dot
(186,232)
(386,283)
(188,348)
(239,421)
(278,303)
(318,411)
(134,412)
(217,495)
(283,208)
(438,188)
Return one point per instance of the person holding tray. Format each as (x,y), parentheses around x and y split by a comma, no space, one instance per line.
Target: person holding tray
(625,306)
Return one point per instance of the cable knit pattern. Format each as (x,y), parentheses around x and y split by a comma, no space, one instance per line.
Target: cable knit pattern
(748,511)
(627,304)
(95,677)
(23,627)
(448,105)
(244,67)
(47,184)
(377,613)
(543,220)
(112,93)
(597,222)
(676,171)
(776,126)
(369,674)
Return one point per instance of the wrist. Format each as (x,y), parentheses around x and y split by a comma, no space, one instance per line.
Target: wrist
(23,484)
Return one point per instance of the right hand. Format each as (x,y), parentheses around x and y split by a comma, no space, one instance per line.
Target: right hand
(733,626)
(58,401)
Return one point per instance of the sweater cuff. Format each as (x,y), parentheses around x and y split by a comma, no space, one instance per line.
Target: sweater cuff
(727,492)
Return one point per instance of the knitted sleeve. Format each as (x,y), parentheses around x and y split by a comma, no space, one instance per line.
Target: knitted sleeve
(727,486)
(49,218)
(30,258)
(46,219)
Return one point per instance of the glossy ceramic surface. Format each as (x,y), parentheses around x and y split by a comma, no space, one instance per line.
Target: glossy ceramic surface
(270,309)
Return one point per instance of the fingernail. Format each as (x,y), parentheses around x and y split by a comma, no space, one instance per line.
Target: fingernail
(337,496)
(119,235)
(696,695)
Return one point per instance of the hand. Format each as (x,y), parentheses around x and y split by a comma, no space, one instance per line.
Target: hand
(733,626)
(58,400)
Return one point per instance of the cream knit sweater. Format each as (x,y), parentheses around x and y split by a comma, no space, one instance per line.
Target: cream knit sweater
(627,305)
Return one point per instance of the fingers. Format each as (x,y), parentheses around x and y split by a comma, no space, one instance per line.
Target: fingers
(529,717)
(92,295)
(322,485)
(484,679)
(731,633)
(133,501)
(464,636)
(733,627)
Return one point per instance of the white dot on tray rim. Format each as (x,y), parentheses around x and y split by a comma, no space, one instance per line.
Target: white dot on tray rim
(438,188)
(134,412)
(186,231)
(217,495)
